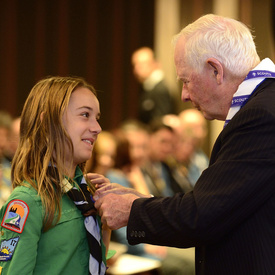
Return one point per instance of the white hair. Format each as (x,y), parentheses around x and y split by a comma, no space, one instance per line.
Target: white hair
(225,39)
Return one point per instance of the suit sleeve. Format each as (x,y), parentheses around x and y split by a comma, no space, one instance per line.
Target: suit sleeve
(238,182)
(23,255)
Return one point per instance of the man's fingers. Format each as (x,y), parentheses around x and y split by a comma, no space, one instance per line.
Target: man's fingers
(92,176)
(97,204)
(104,213)
(97,178)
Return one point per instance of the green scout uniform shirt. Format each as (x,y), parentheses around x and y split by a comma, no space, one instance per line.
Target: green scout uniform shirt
(61,250)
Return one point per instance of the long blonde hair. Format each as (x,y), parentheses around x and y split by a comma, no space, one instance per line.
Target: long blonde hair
(43,140)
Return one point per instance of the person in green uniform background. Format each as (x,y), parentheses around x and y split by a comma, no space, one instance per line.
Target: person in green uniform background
(44,223)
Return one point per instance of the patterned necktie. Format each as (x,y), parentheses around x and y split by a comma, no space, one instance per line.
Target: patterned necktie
(83,201)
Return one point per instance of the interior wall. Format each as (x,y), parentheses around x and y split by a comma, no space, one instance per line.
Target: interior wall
(89,38)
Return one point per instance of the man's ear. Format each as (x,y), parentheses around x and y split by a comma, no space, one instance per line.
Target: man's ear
(217,70)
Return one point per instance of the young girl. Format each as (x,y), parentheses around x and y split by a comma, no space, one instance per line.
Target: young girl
(49,225)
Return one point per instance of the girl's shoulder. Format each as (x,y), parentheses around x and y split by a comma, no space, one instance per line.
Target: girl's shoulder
(23,203)
(25,194)
(25,191)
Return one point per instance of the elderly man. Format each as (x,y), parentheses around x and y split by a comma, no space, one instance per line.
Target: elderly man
(229,215)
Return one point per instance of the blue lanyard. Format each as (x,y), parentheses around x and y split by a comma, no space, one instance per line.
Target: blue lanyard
(241,100)
(260,73)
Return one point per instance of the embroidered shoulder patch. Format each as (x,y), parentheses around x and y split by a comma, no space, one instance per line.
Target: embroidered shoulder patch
(15,216)
(7,248)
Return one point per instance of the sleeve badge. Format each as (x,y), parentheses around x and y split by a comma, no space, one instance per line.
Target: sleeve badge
(7,249)
(15,216)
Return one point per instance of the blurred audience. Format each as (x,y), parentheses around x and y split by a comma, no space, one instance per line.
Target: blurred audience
(122,173)
(13,138)
(132,156)
(189,159)
(182,152)
(162,139)
(137,134)
(155,99)
(104,152)
(194,132)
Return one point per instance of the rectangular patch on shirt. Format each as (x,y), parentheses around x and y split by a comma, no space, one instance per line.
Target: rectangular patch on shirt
(7,249)
(15,216)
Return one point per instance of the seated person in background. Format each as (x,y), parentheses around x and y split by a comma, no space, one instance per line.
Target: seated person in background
(189,159)
(162,139)
(194,129)
(182,151)
(138,136)
(103,154)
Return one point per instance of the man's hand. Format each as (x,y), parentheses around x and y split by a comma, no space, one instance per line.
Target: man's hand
(114,203)
(114,209)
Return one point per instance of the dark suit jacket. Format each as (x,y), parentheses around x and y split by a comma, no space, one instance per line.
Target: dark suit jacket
(155,103)
(230,215)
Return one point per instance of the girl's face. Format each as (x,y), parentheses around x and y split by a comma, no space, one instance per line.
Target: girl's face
(81,123)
